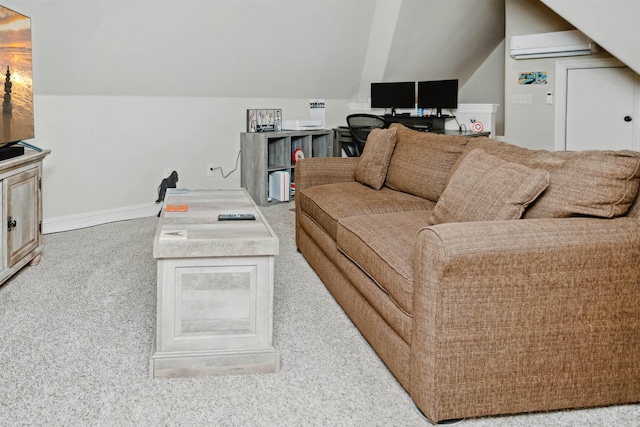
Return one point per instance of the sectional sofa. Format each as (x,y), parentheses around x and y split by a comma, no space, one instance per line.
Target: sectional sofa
(489,278)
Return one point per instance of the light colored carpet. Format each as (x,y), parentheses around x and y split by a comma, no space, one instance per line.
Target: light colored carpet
(76,334)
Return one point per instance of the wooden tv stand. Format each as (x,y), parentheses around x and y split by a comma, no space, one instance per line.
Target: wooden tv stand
(21,194)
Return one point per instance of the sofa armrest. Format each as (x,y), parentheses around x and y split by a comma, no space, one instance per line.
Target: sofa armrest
(324,170)
(528,315)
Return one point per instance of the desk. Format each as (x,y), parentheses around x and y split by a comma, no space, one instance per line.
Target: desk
(342,135)
(466,133)
(426,122)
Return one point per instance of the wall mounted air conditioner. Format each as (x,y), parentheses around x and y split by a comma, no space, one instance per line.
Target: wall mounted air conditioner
(545,45)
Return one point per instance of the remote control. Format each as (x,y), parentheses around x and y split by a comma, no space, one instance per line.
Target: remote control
(236,217)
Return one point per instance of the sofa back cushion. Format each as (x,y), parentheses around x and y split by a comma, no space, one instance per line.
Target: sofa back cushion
(422,161)
(592,183)
(487,188)
(372,166)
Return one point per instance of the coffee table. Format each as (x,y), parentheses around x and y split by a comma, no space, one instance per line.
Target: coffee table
(215,287)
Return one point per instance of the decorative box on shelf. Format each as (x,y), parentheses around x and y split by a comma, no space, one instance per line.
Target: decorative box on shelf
(264,120)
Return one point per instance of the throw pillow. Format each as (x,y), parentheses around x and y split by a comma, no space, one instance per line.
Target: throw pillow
(487,188)
(593,182)
(422,161)
(372,166)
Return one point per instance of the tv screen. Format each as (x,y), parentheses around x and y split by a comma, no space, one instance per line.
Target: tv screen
(438,94)
(16,70)
(393,95)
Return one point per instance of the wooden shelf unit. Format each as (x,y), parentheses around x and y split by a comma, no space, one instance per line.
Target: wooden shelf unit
(267,152)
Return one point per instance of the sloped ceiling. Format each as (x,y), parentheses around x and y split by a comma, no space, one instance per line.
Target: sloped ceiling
(252,48)
(444,39)
(614,25)
(222,48)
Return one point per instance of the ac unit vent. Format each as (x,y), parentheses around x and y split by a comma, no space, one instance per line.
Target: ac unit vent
(545,45)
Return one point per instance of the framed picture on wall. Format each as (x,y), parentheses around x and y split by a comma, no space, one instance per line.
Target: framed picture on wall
(532,78)
(264,120)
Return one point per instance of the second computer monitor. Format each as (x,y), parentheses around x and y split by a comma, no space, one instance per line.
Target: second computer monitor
(438,94)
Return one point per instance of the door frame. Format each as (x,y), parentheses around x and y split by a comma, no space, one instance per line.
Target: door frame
(560,118)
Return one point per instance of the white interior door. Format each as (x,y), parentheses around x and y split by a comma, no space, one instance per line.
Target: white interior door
(598,100)
(598,106)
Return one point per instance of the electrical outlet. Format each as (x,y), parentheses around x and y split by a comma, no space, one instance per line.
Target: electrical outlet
(521,98)
(167,172)
(210,170)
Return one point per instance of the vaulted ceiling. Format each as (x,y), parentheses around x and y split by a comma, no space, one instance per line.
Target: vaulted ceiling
(444,39)
(614,25)
(282,48)
(255,48)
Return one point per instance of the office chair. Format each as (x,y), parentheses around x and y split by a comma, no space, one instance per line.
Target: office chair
(360,125)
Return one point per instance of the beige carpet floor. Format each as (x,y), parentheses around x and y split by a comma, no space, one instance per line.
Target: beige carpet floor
(76,335)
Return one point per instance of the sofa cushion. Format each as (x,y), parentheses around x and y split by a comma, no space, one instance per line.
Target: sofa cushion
(594,183)
(372,166)
(382,246)
(327,204)
(487,188)
(421,161)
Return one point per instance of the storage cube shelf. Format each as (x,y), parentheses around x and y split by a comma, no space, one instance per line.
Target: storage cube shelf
(267,152)
(277,155)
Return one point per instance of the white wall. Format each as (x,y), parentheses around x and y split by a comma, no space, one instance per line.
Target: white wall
(124,89)
(486,86)
(607,22)
(444,39)
(531,125)
(218,48)
(110,152)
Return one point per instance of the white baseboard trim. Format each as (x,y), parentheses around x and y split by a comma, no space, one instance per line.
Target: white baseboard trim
(90,219)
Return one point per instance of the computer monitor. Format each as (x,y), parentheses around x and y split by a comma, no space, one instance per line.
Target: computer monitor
(438,94)
(393,95)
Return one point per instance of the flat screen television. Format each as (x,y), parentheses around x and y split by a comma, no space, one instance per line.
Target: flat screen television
(16,69)
(393,95)
(438,94)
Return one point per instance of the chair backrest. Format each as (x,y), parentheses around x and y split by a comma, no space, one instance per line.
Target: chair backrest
(360,125)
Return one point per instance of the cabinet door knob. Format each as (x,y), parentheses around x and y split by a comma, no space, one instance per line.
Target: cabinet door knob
(627,118)
(11,223)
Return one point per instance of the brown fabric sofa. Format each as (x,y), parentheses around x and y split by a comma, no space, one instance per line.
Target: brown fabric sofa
(489,278)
